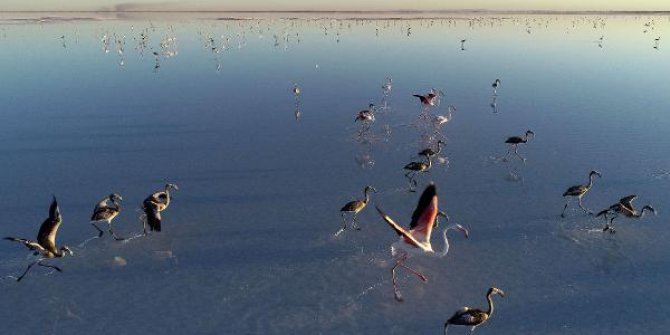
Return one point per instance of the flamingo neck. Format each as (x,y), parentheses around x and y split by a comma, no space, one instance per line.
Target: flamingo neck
(588,186)
(446,243)
(489,297)
(367,196)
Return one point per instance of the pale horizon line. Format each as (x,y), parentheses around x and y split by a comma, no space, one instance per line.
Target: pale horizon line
(512,11)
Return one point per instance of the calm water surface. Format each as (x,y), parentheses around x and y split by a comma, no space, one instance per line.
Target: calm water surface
(87,109)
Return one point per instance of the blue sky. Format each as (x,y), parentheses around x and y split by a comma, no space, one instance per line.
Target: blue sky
(333,5)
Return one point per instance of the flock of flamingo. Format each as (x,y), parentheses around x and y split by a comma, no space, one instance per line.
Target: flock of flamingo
(416,238)
(106,211)
(413,240)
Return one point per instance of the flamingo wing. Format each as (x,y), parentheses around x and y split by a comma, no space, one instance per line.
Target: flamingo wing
(425,213)
(46,237)
(627,202)
(408,237)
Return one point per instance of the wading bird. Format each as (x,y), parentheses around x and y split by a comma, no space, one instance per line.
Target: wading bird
(153,205)
(107,210)
(473,317)
(414,168)
(416,240)
(355,207)
(495,86)
(579,191)
(429,152)
(463,45)
(366,116)
(45,246)
(625,208)
(514,142)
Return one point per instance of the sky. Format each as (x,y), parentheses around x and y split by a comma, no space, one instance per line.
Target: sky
(271,5)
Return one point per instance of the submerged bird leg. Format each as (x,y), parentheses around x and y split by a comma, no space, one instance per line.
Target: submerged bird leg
(354,223)
(472,330)
(344,225)
(564,208)
(608,226)
(582,206)
(516,152)
(396,291)
(114,235)
(100,232)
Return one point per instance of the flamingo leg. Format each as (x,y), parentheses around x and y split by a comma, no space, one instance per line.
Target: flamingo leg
(582,206)
(472,330)
(100,232)
(414,272)
(396,291)
(49,266)
(344,225)
(114,235)
(27,269)
(354,223)
(610,224)
(516,152)
(564,208)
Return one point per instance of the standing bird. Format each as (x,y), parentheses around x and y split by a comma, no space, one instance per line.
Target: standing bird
(414,168)
(473,317)
(296,90)
(625,208)
(440,120)
(153,205)
(495,86)
(463,45)
(366,116)
(416,240)
(107,210)
(514,142)
(355,207)
(579,191)
(45,246)
(430,153)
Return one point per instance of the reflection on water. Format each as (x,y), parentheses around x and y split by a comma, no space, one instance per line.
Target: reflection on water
(125,102)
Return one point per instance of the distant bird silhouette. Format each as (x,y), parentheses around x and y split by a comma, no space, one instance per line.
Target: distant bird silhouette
(355,207)
(463,45)
(153,205)
(474,317)
(579,191)
(495,86)
(625,208)
(45,246)
(416,240)
(514,142)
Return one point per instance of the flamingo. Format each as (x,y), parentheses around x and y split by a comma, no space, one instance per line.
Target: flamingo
(495,86)
(153,205)
(514,142)
(429,152)
(45,246)
(625,208)
(366,116)
(414,168)
(431,98)
(579,191)
(416,240)
(473,317)
(355,207)
(104,211)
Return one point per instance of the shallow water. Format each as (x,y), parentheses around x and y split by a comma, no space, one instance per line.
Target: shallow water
(248,242)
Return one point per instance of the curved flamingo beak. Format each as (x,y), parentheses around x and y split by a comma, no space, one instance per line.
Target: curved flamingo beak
(463,230)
